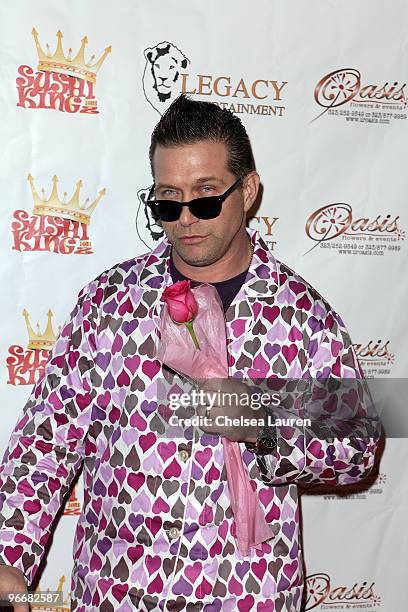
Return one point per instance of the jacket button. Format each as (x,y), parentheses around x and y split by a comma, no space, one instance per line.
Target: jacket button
(174,533)
(183,455)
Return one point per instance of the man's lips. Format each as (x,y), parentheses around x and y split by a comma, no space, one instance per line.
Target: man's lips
(192,239)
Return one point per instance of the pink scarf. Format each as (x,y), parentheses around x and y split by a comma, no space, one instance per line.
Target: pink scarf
(251,526)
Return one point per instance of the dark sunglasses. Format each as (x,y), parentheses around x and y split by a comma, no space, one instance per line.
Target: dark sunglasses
(202,208)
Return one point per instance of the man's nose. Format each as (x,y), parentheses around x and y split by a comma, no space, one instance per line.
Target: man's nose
(186,217)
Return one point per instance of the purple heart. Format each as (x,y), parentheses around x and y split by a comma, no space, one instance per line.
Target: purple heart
(262,271)
(135,520)
(148,407)
(315,324)
(87,597)
(91,518)
(182,587)
(67,393)
(127,265)
(102,360)
(210,440)
(196,471)
(242,568)
(198,551)
(284,584)
(289,529)
(131,279)
(97,414)
(190,531)
(99,488)
(215,606)
(110,307)
(109,382)
(215,494)
(104,545)
(271,350)
(183,488)
(130,326)
(294,551)
(37,477)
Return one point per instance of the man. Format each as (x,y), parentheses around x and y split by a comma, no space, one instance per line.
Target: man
(157,531)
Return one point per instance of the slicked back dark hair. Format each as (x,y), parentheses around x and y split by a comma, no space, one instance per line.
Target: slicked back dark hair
(188,121)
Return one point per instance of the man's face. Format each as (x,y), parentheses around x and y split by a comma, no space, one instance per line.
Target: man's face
(198,170)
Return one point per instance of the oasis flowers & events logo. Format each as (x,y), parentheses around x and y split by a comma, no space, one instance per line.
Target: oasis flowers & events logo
(55,225)
(337,226)
(26,365)
(322,593)
(376,358)
(62,81)
(167,74)
(346,94)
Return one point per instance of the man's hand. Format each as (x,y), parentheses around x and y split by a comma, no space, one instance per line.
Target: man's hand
(12,581)
(226,400)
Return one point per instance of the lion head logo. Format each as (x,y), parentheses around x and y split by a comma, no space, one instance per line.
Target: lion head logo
(148,230)
(162,74)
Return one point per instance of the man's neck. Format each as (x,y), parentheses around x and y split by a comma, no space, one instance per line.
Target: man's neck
(235,261)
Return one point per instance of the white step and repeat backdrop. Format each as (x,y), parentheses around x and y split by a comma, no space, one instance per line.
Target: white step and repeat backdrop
(320,86)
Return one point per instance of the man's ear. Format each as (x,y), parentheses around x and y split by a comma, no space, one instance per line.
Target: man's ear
(250,189)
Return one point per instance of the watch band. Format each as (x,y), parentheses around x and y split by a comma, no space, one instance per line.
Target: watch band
(266,440)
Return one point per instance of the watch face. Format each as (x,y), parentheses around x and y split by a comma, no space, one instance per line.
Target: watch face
(268,442)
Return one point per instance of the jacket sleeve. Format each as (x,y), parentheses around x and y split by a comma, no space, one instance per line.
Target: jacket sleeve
(47,446)
(337,440)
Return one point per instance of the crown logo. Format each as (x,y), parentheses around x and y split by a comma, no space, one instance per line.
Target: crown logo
(37,340)
(73,506)
(74,66)
(67,210)
(49,607)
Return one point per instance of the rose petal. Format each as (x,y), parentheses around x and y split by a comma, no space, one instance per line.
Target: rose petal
(191,303)
(178,311)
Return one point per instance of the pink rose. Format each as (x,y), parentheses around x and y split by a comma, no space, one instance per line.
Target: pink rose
(180,301)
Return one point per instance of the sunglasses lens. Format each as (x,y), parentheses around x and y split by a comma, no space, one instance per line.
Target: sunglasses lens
(206,208)
(168,211)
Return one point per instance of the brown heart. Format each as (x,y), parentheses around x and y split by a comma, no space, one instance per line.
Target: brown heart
(168,565)
(219,590)
(251,585)
(130,348)
(280,549)
(153,483)
(147,348)
(124,497)
(137,384)
(279,366)
(274,568)
(177,510)
(106,571)
(117,458)
(175,605)
(157,424)
(287,313)
(132,460)
(143,537)
(225,569)
(228,549)
(170,487)
(118,515)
